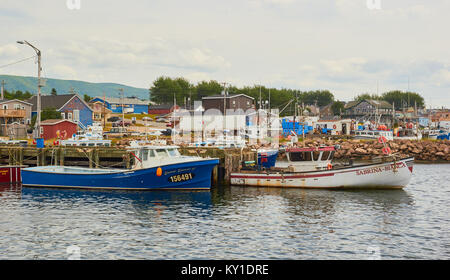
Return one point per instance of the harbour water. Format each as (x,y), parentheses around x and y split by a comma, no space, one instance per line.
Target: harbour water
(230,222)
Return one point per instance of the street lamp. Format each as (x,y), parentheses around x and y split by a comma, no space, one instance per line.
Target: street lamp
(37,132)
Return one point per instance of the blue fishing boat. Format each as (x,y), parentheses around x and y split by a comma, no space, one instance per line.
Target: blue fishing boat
(155,168)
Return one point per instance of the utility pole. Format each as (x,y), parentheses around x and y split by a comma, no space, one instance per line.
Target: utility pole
(123,111)
(38,102)
(103,109)
(3,86)
(224,108)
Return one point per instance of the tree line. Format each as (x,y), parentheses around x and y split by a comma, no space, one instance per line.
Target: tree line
(400,99)
(17,94)
(180,90)
(169,90)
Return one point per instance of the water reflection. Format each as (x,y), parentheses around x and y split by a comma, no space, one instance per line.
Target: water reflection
(226,222)
(323,201)
(10,191)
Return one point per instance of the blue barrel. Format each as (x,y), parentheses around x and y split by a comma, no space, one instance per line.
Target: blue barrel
(40,143)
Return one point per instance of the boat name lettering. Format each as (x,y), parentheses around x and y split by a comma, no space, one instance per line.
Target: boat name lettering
(181,177)
(379,169)
(170,172)
(184,169)
(369,171)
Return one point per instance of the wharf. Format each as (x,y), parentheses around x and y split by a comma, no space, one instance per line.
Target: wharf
(116,157)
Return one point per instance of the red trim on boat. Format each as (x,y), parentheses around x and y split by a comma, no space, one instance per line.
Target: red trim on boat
(321,149)
(286,177)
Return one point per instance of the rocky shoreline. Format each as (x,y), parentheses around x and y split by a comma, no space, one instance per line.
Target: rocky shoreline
(423,151)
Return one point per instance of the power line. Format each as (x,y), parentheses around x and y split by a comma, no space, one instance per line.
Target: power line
(22,60)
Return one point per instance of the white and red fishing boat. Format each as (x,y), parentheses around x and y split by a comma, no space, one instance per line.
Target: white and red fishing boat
(313,168)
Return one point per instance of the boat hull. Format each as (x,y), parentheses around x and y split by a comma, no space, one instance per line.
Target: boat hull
(10,174)
(180,176)
(371,176)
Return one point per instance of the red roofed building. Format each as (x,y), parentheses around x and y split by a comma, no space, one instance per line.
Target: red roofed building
(61,129)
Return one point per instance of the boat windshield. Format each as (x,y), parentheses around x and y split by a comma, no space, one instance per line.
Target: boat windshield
(300,156)
(161,152)
(311,156)
(173,152)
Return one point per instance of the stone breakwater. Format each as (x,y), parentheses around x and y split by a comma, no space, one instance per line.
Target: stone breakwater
(425,150)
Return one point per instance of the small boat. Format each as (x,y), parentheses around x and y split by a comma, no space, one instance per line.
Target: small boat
(155,168)
(313,168)
(373,134)
(408,134)
(10,174)
(92,136)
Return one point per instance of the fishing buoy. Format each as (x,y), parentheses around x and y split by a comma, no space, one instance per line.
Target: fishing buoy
(386,150)
(382,139)
(159,171)
(334,126)
(329,166)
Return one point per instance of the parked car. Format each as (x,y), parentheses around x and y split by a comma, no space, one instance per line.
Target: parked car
(162,120)
(167,132)
(113,119)
(116,132)
(147,119)
(121,123)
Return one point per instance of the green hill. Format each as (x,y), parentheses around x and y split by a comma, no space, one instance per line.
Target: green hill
(21,83)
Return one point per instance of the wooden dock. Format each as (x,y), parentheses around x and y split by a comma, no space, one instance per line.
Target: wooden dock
(116,157)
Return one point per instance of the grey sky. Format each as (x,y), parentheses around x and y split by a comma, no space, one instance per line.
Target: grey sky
(339,45)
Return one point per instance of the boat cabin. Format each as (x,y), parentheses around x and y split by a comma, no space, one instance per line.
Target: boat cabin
(308,159)
(150,156)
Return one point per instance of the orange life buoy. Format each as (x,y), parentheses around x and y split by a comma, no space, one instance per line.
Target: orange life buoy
(334,126)
(329,166)
(159,171)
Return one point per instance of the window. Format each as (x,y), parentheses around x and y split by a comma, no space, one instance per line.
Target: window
(76,115)
(172,152)
(316,155)
(69,116)
(144,155)
(63,115)
(5,106)
(325,155)
(300,156)
(161,152)
(151,153)
(16,106)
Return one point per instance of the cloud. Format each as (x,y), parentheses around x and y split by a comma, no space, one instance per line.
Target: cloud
(339,45)
(9,50)
(125,55)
